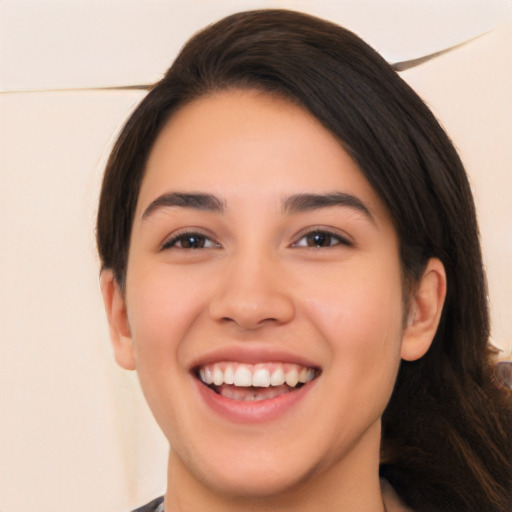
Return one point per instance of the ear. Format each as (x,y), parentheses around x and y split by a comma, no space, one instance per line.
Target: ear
(425,311)
(115,308)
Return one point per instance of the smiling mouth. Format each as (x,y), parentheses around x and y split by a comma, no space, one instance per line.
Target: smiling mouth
(254,382)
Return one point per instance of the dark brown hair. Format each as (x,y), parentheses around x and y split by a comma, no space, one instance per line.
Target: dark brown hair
(447,442)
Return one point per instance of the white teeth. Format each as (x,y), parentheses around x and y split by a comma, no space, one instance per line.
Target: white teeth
(218,376)
(306,375)
(261,378)
(261,375)
(243,377)
(208,377)
(292,378)
(229,375)
(277,378)
(244,395)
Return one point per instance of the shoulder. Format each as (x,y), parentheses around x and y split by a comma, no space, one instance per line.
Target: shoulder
(157,505)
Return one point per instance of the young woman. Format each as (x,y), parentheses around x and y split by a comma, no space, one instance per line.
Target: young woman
(291,262)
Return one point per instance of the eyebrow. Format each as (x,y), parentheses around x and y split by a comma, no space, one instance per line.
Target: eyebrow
(296,203)
(306,202)
(206,202)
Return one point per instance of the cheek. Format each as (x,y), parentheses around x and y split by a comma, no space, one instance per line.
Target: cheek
(163,310)
(358,317)
(162,305)
(359,314)
(359,299)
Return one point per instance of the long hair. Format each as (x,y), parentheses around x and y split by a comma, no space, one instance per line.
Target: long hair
(446,442)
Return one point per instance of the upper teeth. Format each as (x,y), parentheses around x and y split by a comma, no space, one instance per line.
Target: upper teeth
(259,375)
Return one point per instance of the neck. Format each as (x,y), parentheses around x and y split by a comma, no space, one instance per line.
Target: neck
(350,485)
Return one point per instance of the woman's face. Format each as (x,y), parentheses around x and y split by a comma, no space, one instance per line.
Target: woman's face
(260,254)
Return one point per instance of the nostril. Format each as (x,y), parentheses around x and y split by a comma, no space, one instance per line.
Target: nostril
(249,324)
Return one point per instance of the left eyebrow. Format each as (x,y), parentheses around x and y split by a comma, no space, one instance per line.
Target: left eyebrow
(306,202)
(205,202)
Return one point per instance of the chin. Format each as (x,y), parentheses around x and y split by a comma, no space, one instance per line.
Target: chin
(258,484)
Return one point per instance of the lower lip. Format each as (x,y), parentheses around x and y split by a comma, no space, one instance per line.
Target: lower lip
(258,411)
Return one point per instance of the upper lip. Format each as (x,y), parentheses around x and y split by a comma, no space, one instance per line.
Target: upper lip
(251,355)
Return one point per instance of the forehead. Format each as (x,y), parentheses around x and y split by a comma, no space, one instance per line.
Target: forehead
(249,144)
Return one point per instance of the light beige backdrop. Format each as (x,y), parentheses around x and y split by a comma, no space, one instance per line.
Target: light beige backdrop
(75,435)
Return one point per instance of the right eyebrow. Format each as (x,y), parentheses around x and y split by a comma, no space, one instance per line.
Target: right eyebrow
(308,202)
(206,202)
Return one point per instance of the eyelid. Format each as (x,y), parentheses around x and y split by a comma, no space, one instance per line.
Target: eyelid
(171,240)
(343,238)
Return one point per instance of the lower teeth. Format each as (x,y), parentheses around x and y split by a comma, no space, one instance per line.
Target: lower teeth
(251,394)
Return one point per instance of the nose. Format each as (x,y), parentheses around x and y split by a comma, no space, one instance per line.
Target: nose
(253,292)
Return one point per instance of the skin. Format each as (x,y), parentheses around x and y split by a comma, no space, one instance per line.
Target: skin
(260,284)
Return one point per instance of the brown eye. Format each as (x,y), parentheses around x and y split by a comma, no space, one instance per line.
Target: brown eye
(189,241)
(320,238)
(192,242)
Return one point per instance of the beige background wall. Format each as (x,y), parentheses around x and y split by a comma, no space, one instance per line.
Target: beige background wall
(75,434)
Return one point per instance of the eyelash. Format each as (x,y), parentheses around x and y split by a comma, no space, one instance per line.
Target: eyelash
(187,236)
(322,235)
(205,242)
